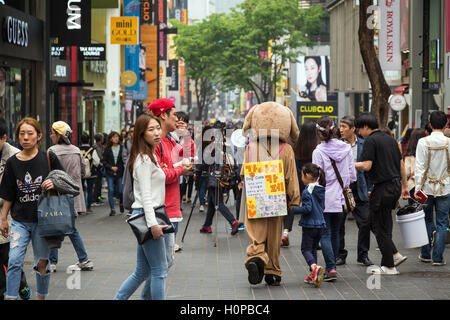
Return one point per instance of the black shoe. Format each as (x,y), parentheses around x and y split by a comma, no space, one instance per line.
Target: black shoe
(365,261)
(255,268)
(272,280)
(112,213)
(122,209)
(340,261)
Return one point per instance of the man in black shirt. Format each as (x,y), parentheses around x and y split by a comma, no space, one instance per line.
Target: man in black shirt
(383,161)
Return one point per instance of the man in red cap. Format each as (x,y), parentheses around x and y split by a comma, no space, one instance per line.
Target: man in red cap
(165,110)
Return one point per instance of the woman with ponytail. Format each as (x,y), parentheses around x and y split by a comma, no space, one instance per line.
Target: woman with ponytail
(332,151)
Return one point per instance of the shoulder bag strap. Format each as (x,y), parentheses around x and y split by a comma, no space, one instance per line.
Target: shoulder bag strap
(338,175)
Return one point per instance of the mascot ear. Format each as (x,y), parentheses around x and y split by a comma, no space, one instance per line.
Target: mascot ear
(294,128)
(248,120)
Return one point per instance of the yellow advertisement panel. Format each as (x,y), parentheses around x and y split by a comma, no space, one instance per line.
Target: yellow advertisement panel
(124,30)
(265,189)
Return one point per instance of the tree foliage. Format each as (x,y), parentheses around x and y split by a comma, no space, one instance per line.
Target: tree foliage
(232,49)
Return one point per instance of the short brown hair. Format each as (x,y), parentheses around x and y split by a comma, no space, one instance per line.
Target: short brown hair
(30,121)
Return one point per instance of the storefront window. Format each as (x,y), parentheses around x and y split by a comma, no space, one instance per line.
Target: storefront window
(14,91)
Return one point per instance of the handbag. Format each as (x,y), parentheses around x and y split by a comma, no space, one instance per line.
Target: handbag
(56,213)
(139,226)
(348,194)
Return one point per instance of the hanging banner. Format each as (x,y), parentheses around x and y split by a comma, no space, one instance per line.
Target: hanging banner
(71,22)
(146,11)
(131,9)
(265,189)
(149,39)
(172,75)
(447,25)
(389,35)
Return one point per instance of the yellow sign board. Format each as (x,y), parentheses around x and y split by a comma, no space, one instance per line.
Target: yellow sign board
(265,189)
(124,30)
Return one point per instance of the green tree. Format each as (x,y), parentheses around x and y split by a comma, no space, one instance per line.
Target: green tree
(252,26)
(199,47)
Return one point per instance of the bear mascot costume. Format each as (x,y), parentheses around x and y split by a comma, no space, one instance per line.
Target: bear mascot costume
(269,126)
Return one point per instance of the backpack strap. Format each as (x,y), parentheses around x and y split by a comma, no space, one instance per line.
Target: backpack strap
(48,161)
(434,180)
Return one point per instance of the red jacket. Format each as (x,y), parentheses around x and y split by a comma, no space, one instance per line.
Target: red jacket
(172,174)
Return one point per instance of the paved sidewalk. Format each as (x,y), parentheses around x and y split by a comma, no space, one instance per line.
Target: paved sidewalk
(203,271)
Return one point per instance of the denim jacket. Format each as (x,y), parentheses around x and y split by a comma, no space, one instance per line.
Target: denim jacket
(313,204)
(363,184)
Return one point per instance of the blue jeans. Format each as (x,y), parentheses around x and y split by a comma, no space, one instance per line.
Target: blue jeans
(330,239)
(442,205)
(151,264)
(114,189)
(90,191)
(21,234)
(78,245)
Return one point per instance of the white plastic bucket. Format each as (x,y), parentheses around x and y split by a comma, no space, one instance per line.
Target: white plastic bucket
(413,229)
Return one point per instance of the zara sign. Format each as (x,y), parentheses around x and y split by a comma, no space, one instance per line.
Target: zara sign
(71,22)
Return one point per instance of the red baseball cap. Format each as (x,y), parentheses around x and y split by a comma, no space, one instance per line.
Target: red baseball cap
(159,106)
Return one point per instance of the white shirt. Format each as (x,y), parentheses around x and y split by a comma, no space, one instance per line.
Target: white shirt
(149,187)
(438,165)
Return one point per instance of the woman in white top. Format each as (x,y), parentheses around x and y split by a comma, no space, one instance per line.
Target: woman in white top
(149,192)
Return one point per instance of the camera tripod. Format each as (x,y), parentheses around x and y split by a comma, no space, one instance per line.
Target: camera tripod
(217,190)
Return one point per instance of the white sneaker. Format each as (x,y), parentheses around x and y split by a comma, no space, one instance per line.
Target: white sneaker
(202,209)
(53,268)
(385,271)
(87,265)
(177,248)
(399,259)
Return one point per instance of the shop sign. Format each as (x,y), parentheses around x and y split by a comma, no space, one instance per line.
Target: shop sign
(22,35)
(313,110)
(124,30)
(60,70)
(16,31)
(71,21)
(92,52)
(397,102)
(389,35)
(58,52)
(146,12)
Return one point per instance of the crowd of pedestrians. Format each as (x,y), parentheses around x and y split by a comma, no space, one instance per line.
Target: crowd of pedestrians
(159,152)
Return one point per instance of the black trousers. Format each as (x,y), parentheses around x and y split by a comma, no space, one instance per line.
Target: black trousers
(362,218)
(382,201)
(223,209)
(98,186)
(187,186)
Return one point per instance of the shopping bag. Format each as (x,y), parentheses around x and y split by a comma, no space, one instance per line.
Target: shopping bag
(56,215)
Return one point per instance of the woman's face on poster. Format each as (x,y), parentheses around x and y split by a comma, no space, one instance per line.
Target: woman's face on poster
(312,70)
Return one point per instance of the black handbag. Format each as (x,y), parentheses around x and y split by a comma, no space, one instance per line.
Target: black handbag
(139,226)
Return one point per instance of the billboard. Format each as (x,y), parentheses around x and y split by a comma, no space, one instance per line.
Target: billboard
(314,99)
(313,73)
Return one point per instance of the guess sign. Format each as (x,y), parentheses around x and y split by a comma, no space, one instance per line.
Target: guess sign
(16,31)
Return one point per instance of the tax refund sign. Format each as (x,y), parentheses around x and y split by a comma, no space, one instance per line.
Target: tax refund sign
(124,30)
